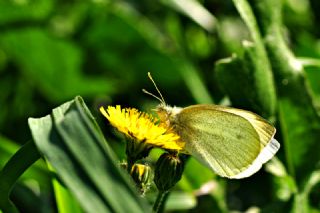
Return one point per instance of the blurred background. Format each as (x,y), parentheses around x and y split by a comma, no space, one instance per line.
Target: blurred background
(51,51)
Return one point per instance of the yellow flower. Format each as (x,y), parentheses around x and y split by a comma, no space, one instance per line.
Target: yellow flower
(142,127)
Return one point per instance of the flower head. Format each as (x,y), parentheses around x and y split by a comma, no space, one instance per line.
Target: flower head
(142,127)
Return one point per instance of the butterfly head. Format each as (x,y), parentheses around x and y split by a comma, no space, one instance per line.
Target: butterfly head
(165,112)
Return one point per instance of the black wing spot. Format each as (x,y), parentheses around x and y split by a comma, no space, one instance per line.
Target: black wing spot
(239,137)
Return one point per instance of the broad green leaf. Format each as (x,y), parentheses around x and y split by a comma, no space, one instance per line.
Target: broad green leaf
(73,144)
(64,198)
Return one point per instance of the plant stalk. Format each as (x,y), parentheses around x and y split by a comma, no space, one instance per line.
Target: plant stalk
(158,206)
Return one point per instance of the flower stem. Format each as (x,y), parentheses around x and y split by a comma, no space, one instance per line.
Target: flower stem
(158,206)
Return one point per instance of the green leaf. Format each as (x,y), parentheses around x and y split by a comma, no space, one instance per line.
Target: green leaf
(247,81)
(65,200)
(299,121)
(13,169)
(71,141)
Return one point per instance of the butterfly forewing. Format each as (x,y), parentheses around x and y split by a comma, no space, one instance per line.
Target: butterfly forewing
(227,140)
(263,128)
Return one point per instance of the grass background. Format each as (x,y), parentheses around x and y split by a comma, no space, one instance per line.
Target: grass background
(262,56)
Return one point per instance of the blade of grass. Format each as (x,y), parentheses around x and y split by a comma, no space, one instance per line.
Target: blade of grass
(195,11)
(14,168)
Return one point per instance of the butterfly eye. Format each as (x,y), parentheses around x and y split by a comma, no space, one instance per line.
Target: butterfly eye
(162,114)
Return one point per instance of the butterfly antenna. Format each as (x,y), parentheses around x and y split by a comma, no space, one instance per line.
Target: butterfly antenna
(161,99)
(149,93)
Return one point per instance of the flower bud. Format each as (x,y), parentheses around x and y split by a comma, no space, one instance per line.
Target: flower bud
(168,171)
(140,174)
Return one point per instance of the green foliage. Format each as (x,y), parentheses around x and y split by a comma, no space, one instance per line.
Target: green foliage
(12,12)
(251,69)
(62,56)
(259,55)
(88,165)
(297,113)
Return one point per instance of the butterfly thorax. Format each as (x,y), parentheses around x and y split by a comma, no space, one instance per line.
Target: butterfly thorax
(167,114)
